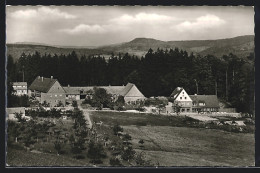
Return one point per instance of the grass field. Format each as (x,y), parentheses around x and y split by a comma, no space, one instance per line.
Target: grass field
(25,158)
(182,146)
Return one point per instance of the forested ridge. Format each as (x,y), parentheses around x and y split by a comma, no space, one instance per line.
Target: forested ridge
(158,73)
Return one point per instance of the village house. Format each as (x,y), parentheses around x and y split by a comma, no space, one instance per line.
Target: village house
(47,90)
(192,103)
(180,97)
(205,103)
(10,113)
(20,88)
(130,92)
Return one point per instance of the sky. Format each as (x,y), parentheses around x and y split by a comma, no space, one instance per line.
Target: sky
(104,25)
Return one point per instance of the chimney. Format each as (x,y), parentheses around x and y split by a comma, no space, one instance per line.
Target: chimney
(51,77)
(42,79)
(39,77)
(68,85)
(195,94)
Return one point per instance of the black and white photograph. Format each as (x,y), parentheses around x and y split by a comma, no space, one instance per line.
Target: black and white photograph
(130,86)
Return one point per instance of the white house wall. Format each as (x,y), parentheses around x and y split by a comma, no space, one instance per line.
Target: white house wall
(182,95)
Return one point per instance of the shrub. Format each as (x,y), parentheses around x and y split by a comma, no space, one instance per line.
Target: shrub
(115,162)
(141,141)
(128,153)
(74,104)
(117,128)
(79,157)
(96,151)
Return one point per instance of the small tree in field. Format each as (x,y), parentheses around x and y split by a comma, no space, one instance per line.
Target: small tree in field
(128,153)
(117,128)
(96,152)
(57,147)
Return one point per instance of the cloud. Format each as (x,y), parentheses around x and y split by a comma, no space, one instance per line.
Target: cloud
(83,28)
(143,18)
(201,23)
(42,13)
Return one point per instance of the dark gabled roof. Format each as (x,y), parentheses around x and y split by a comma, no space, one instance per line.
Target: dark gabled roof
(42,84)
(110,89)
(114,90)
(209,100)
(176,92)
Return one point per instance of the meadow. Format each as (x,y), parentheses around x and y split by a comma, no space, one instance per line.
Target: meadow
(166,144)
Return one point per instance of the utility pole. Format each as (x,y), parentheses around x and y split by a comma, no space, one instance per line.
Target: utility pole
(23,73)
(226,85)
(216,88)
(197,86)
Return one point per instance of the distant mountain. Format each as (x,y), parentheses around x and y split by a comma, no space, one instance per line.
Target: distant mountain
(15,50)
(240,46)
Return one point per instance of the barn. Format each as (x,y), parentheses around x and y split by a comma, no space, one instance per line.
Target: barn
(47,90)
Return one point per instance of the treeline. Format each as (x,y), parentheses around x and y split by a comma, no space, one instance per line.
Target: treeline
(158,73)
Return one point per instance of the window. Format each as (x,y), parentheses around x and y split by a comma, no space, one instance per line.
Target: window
(185,98)
(55,95)
(60,95)
(202,104)
(180,97)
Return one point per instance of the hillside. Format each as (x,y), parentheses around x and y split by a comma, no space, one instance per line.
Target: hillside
(241,46)
(17,49)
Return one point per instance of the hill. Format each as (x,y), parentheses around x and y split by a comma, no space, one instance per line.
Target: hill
(241,46)
(15,50)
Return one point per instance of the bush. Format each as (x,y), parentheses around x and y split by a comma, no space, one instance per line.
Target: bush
(128,153)
(96,161)
(117,128)
(79,157)
(74,104)
(115,162)
(96,151)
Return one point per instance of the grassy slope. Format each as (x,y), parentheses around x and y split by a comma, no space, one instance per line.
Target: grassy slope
(22,158)
(182,146)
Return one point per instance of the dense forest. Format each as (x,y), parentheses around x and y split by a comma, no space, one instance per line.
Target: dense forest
(158,73)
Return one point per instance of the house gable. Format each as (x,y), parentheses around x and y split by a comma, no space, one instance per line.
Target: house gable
(183,96)
(179,94)
(134,92)
(56,88)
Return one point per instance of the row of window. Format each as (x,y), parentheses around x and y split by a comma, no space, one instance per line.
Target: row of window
(21,91)
(19,86)
(184,98)
(200,104)
(56,95)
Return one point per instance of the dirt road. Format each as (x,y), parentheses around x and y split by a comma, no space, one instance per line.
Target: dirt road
(86,114)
